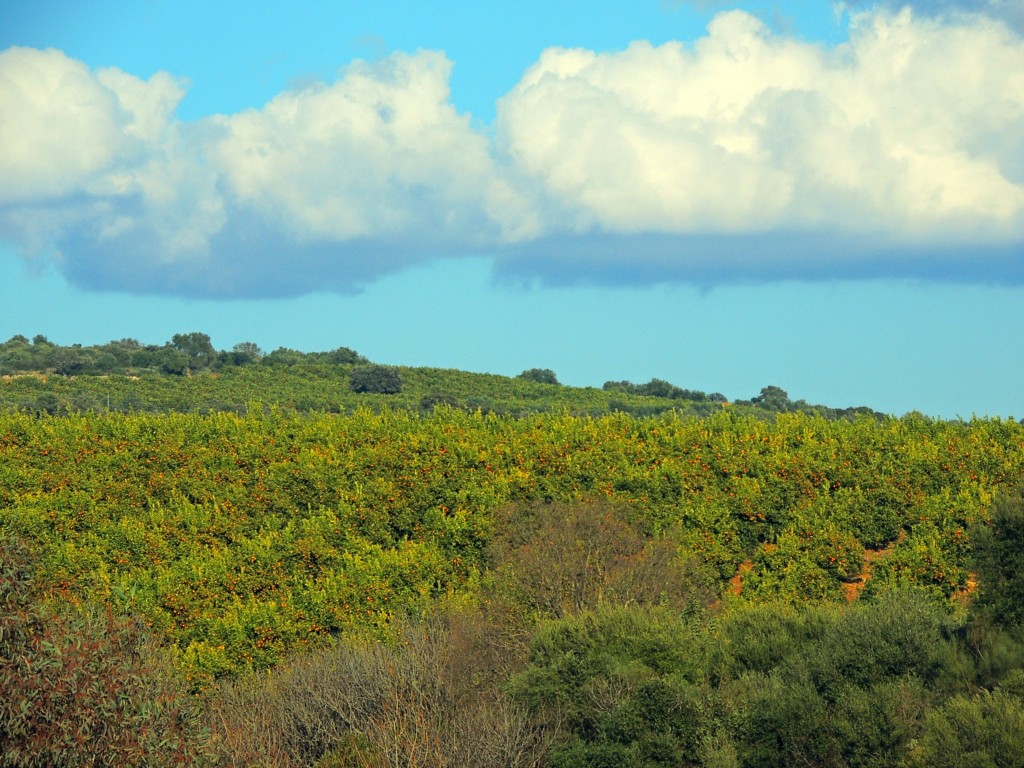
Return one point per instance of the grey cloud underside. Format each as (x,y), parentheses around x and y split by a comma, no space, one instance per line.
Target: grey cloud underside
(247,260)
(264,264)
(1010,12)
(708,260)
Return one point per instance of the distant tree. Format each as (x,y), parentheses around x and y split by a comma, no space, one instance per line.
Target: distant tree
(773,398)
(15,358)
(171,360)
(39,339)
(104,362)
(250,350)
(121,351)
(197,348)
(147,356)
(68,361)
(659,388)
(539,375)
(344,356)
(284,356)
(245,353)
(717,397)
(377,379)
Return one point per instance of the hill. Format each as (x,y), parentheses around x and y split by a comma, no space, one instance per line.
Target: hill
(312,560)
(187,375)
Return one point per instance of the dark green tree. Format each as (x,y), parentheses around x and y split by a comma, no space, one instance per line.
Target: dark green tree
(170,360)
(539,375)
(344,356)
(657,388)
(284,356)
(250,350)
(68,361)
(999,561)
(773,398)
(197,348)
(378,379)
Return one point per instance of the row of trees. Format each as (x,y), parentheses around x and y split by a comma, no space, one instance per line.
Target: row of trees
(660,388)
(191,353)
(184,353)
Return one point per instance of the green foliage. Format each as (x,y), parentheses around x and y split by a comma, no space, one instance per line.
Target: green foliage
(679,586)
(82,687)
(619,682)
(107,377)
(342,356)
(539,376)
(663,389)
(981,731)
(999,561)
(829,686)
(773,398)
(376,379)
(197,349)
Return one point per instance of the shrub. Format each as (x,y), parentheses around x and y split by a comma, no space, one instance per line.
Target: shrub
(85,688)
(369,705)
(999,560)
(539,375)
(620,685)
(973,732)
(555,560)
(377,379)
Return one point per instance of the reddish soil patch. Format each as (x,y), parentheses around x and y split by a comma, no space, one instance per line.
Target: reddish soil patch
(855,586)
(736,582)
(961,596)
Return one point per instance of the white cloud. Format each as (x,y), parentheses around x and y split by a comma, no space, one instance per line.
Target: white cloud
(328,185)
(745,153)
(914,129)
(59,126)
(97,153)
(380,153)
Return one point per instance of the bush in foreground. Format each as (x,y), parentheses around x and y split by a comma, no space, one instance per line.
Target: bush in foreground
(82,687)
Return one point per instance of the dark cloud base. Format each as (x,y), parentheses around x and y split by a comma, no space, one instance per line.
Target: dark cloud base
(255,262)
(1011,13)
(248,261)
(709,260)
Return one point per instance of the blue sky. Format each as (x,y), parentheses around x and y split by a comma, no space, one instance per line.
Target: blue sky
(825,197)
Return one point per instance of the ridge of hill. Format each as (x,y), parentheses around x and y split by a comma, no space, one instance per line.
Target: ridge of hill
(188,375)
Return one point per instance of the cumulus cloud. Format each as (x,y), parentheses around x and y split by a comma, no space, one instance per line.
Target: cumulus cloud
(96,161)
(744,155)
(911,130)
(328,186)
(380,153)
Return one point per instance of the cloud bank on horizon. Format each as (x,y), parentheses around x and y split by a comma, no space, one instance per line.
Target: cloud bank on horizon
(745,155)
